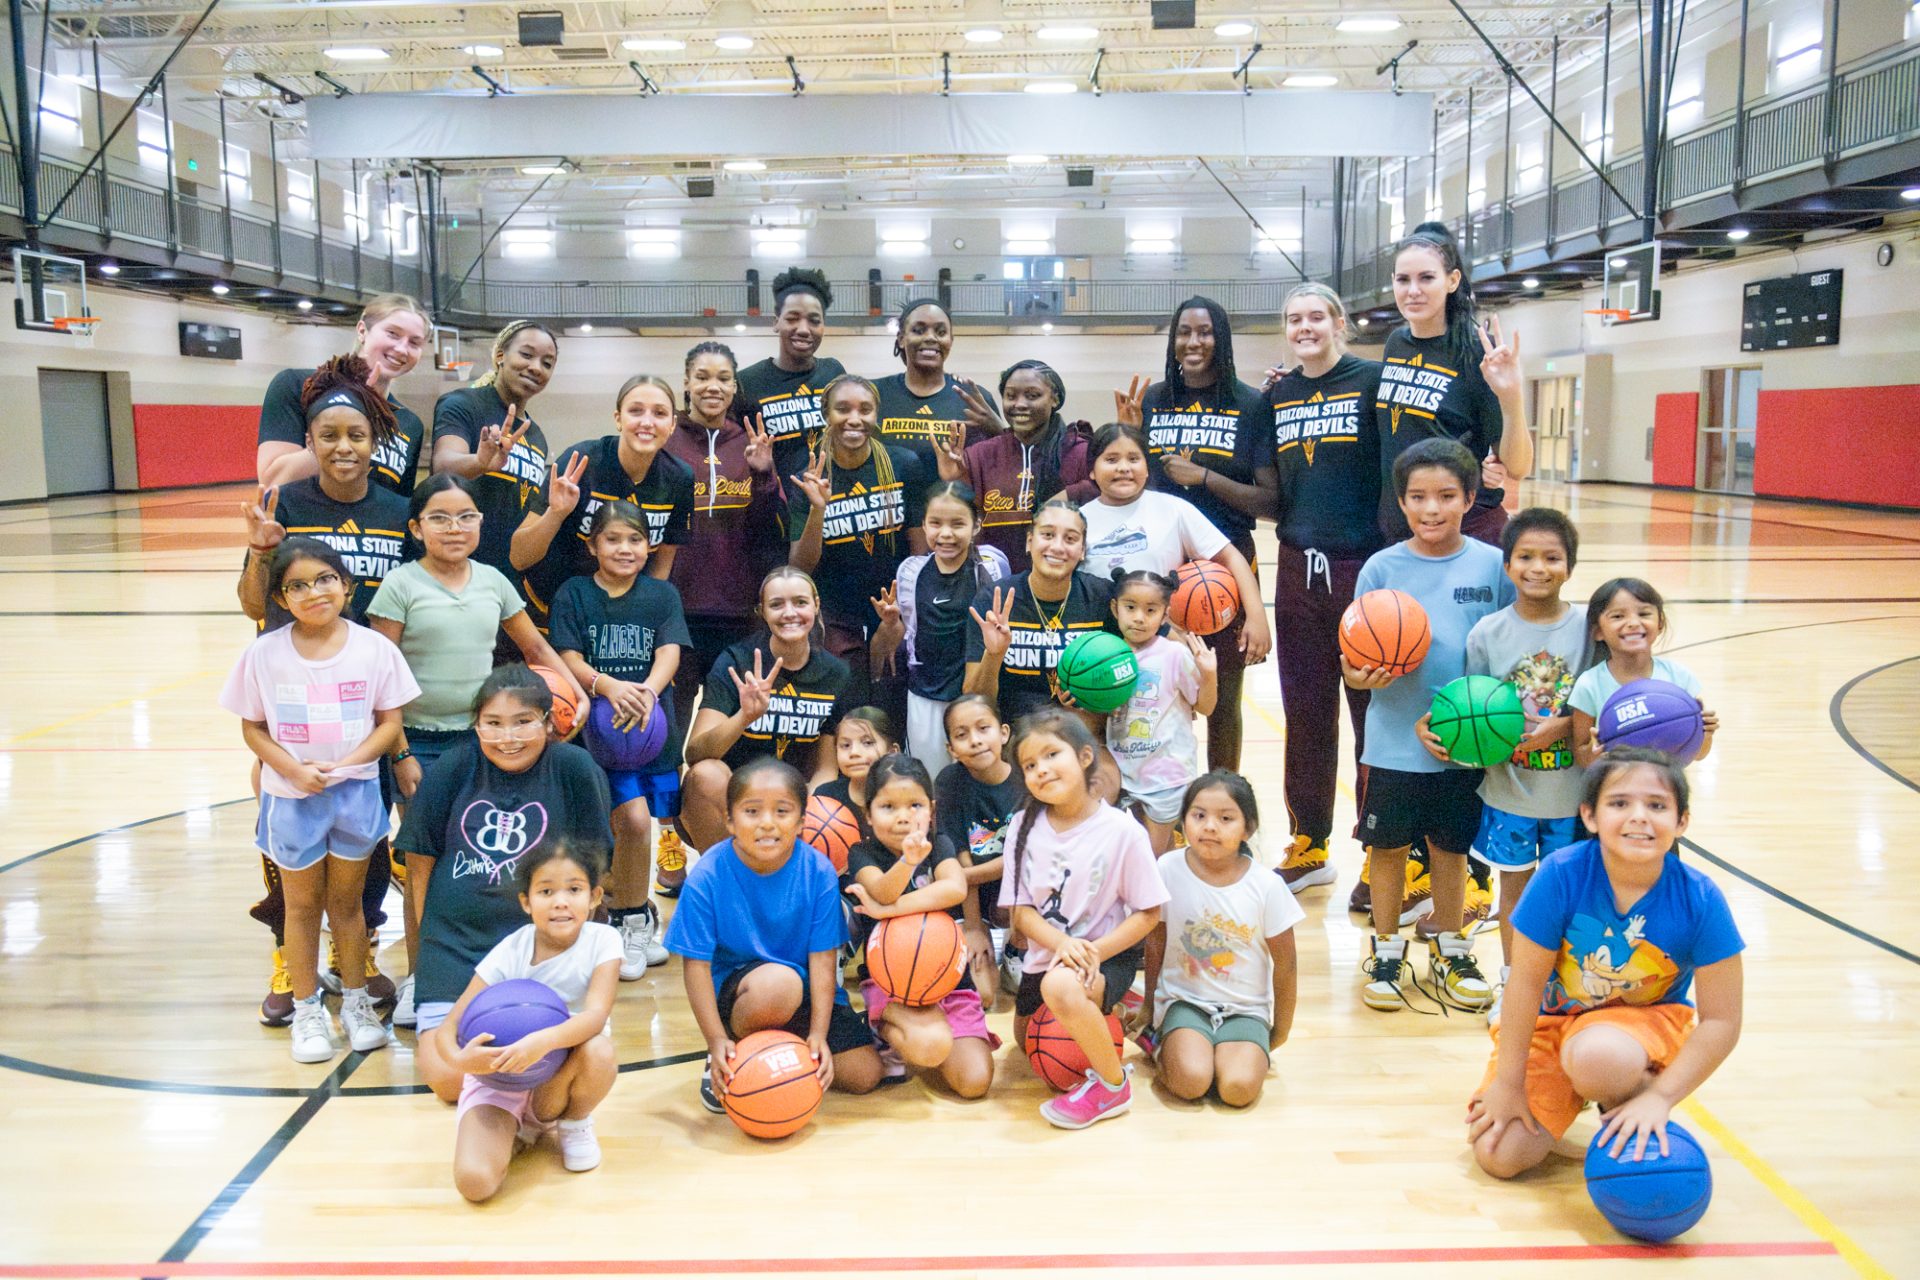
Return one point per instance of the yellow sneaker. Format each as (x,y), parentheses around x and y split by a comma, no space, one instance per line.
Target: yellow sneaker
(1306,865)
(1456,974)
(1360,903)
(1417,900)
(1383,966)
(1479,909)
(329,974)
(277,1009)
(670,863)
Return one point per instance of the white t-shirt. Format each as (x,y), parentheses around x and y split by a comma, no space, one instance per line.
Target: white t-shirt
(570,973)
(1151,737)
(1156,531)
(1217,956)
(1596,684)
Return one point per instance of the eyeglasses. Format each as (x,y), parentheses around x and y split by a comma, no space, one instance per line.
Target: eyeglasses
(441,522)
(298,590)
(525,730)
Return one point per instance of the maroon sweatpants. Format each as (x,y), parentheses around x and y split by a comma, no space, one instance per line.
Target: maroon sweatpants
(1224,729)
(1310,593)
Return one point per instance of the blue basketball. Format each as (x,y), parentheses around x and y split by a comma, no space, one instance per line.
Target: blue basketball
(510,1011)
(1654,1198)
(625,750)
(1656,714)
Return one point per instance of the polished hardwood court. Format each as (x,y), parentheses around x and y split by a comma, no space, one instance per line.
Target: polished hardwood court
(151,1126)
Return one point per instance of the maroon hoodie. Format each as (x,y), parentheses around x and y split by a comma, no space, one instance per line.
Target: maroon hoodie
(737,533)
(999,469)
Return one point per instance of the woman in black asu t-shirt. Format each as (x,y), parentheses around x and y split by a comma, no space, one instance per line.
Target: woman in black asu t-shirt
(483,806)
(776,694)
(923,403)
(484,434)
(1448,374)
(1208,441)
(393,331)
(784,389)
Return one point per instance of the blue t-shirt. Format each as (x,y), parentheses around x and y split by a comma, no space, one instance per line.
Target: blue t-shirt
(732,916)
(1646,956)
(1456,591)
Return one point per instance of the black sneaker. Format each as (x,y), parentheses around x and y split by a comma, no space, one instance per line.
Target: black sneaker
(708,1098)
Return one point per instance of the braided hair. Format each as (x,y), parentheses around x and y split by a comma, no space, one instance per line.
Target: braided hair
(1052,440)
(1463,333)
(876,443)
(742,408)
(1070,729)
(502,339)
(1223,369)
(351,373)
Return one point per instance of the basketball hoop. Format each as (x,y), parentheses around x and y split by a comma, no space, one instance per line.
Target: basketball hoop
(81,326)
(1611,315)
(456,371)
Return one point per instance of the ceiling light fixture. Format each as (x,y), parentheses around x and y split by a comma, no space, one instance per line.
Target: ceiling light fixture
(542,170)
(108,268)
(1368,26)
(744,166)
(733,44)
(1531,282)
(221,291)
(305,304)
(586,326)
(1310,81)
(1911,193)
(985,35)
(1233,30)
(1051,86)
(660,45)
(1068,33)
(1738,234)
(482,50)
(357,53)
(739,328)
(1027,159)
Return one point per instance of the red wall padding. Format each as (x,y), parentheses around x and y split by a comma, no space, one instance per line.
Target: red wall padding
(1676,419)
(1843,444)
(182,444)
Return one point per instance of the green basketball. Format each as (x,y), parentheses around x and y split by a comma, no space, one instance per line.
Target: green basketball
(1479,720)
(1098,669)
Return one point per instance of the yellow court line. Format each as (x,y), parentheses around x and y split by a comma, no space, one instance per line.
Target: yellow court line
(1785,1192)
(43,730)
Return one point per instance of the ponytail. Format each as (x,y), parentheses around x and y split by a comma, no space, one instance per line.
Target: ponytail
(1463,333)
(1052,440)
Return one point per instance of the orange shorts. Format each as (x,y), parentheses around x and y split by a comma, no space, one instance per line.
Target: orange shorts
(1660,1029)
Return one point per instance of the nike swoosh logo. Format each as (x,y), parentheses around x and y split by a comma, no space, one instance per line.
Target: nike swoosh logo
(942,599)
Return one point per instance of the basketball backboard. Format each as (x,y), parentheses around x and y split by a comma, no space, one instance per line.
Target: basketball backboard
(1630,283)
(446,354)
(50,292)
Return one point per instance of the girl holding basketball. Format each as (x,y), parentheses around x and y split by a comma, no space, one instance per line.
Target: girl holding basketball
(863,735)
(319,702)
(906,867)
(925,611)
(1084,892)
(1616,942)
(974,799)
(1151,737)
(1222,1001)
(1625,619)
(579,961)
(621,633)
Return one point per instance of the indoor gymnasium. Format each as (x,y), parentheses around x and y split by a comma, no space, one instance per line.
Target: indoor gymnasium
(975,638)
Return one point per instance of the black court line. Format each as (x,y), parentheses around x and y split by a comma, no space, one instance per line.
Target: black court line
(1834,713)
(1783,896)
(1767,631)
(129,826)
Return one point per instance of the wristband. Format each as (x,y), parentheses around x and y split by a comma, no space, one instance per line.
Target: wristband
(404,753)
(593,690)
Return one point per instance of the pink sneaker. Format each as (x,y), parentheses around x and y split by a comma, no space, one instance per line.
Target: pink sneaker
(1092,1102)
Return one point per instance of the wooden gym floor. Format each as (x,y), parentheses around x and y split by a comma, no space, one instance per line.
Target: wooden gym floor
(151,1127)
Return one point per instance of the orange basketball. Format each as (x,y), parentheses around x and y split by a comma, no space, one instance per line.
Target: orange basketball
(1056,1056)
(917,959)
(831,828)
(1207,598)
(566,710)
(1385,629)
(774,1091)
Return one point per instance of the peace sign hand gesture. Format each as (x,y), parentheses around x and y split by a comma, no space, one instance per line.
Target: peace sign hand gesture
(563,487)
(756,691)
(264,533)
(887,604)
(996,626)
(1127,404)
(949,453)
(496,443)
(813,481)
(1500,363)
(981,414)
(759,445)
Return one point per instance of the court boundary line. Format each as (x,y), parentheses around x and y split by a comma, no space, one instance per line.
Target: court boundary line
(1808,908)
(1621,1252)
(1834,713)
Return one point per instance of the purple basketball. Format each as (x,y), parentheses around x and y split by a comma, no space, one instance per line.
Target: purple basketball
(1656,714)
(624,750)
(510,1011)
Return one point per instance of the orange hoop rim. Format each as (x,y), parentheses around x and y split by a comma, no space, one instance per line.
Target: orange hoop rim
(1615,314)
(64,323)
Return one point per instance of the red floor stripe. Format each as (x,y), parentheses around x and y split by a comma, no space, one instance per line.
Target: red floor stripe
(1049,1262)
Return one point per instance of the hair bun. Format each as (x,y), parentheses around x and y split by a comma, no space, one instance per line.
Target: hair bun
(1438,230)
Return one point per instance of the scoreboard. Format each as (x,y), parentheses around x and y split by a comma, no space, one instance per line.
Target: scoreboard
(1791,311)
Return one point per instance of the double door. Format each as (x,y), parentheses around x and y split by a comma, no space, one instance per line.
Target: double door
(1555,418)
(1729,413)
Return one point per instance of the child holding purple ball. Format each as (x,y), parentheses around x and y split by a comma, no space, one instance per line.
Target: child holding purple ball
(1625,619)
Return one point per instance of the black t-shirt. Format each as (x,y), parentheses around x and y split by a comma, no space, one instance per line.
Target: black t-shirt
(395,463)
(870,853)
(974,816)
(619,636)
(914,422)
(477,820)
(664,495)
(805,703)
(1326,446)
(789,403)
(941,619)
(864,537)
(1425,391)
(370,536)
(1042,629)
(1229,429)
(502,495)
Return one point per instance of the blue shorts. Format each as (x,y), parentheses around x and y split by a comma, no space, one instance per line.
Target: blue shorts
(346,820)
(661,791)
(1509,842)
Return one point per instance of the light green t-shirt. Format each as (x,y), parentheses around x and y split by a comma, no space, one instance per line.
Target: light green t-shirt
(449,636)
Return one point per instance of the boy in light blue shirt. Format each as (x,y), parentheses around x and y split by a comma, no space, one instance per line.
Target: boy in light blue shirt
(1411,789)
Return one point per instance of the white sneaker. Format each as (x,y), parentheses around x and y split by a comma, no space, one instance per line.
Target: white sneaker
(579,1149)
(639,943)
(312,1031)
(365,1031)
(403,1015)
(656,937)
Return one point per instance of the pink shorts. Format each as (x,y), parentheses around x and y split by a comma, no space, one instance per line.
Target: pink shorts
(965,1018)
(518,1103)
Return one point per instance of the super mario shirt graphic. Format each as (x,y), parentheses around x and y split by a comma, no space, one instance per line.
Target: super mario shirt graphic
(1601,964)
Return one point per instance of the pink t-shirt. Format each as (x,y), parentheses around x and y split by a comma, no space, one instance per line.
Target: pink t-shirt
(1086,881)
(318,710)
(1151,737)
